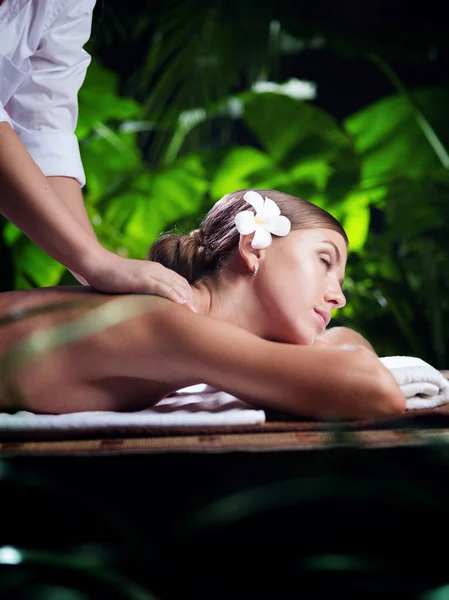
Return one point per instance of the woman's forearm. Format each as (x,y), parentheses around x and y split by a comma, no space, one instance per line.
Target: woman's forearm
(339,336)
(321,381)
(29,201)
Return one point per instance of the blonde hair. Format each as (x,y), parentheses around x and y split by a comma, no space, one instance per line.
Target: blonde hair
(205,250)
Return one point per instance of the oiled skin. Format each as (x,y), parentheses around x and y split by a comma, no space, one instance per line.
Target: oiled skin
(132,365)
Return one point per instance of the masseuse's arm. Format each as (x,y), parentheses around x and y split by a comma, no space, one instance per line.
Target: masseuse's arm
(29,200)
(37,138)
(32,202)
(69,191)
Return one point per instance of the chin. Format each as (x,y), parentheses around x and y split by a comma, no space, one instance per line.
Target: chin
(289,334)
(301,338)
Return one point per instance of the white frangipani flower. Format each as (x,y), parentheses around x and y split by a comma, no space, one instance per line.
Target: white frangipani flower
(266,221)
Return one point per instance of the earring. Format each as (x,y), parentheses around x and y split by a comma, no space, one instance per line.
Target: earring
(256,268)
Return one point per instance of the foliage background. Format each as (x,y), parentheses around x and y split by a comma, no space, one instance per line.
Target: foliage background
(341,103)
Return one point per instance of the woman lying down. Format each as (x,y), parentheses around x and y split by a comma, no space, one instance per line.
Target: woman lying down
(263,304)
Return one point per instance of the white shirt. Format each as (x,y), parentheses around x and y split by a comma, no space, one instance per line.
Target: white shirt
(42,67)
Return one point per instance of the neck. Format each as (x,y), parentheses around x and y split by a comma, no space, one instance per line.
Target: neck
(231,299)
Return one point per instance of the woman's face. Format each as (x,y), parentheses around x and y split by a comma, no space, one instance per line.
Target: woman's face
(299,278)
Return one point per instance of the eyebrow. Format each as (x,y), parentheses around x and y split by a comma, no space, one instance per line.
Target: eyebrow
(337,252)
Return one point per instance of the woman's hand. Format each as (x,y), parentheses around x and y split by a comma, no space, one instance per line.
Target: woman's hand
(115,274)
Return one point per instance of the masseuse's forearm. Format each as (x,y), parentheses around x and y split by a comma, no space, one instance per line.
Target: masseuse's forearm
(29,201)
(69,192)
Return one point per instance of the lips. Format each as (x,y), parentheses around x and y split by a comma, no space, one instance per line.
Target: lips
(324,315)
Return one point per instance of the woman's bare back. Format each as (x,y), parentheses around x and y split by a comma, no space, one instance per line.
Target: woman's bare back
(24,312)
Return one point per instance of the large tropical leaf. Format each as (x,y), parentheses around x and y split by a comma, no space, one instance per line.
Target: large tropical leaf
(154,202)
(242,167)
(33,267)
(390,141)
(286,127)
(307,144)
(99,101)
(111,159)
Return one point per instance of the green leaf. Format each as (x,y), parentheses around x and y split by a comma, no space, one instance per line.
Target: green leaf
(390,141)
(284,126)
(440,593)
(11,234)
(100,102)
(241,168)
(33,266)
(307,144)
(413,208)
(176,192)
(311,171)
(356,221)
(107,161)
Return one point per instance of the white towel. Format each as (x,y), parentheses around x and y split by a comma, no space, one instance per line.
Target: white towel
(195,406)
(422,385)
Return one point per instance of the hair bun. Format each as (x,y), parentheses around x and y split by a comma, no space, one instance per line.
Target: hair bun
(198,236)
(188,255)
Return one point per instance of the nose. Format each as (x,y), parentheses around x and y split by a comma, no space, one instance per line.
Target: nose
(334,295)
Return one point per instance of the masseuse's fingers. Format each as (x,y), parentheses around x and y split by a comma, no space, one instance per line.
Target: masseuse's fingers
(171,291)
(167,283)
(125,276)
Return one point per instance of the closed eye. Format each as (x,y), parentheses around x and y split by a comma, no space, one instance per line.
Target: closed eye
(326,262)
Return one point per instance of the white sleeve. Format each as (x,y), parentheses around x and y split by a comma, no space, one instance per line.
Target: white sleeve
(4,117)
(44,109)
(10,78)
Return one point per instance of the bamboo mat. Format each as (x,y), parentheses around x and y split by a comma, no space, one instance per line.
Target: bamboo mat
(410,429)
(264,442)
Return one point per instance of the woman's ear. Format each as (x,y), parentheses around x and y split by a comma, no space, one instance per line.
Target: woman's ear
(251,256)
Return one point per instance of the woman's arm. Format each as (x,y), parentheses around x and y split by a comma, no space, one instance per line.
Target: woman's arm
(169,346)
(339,336)
(322,382)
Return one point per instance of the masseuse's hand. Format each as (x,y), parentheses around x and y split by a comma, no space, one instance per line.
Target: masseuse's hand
(115,274)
